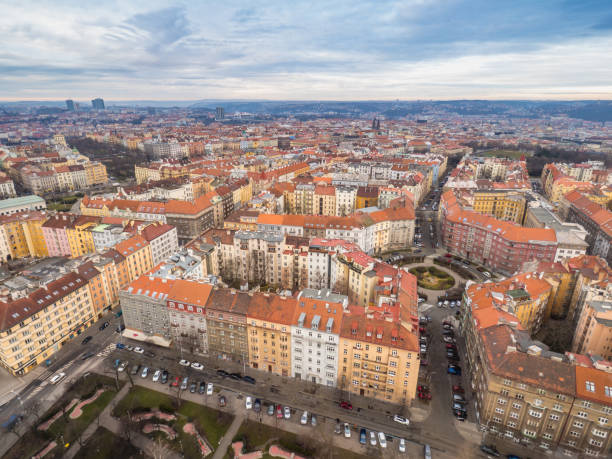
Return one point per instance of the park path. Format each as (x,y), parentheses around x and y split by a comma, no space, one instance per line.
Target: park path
(221,449)
(109,422)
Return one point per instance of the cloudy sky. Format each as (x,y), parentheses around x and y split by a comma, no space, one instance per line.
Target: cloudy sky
(289,49)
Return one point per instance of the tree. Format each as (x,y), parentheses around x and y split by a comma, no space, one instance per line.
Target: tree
(159,449)
(128,426)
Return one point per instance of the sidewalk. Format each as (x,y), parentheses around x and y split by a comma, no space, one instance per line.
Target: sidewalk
(221,449)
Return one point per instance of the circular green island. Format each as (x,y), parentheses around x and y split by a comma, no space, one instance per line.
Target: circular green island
(432,278)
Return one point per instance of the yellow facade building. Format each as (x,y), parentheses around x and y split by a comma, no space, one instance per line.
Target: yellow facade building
(23,234)
(80,236)
(504,205)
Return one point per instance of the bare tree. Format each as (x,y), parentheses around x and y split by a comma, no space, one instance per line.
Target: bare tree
(128,426)
(159,449)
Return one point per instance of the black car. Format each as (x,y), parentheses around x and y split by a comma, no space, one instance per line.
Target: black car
(192,387)
(164,377)
(448,333)
(248,379)
(235,376)
(104,325)
(452,356)
(222,373)
(202,388)
(149,354)
(87,355)
(460,415)
(257,405)
(86,340)
(490,450)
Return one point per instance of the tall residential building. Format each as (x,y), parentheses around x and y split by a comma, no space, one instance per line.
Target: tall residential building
(219,114)
(97,104)
(70,105)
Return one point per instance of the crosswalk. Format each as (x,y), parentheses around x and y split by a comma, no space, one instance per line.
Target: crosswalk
(107,350)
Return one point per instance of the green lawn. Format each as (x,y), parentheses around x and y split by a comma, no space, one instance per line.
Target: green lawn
(432,278)
(104,444)
(210,423)
(35,440)
(258,436)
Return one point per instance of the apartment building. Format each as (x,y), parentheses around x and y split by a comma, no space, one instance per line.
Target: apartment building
(101,276)
(22,204)
(187,314)
(35,326)
(138,257)
(7,186)
(95,174)
(21,235)
(269,320)
(192,218)
(145,310)
(163,240)
(226,321)
(378,358)
(594,328)
(315,336)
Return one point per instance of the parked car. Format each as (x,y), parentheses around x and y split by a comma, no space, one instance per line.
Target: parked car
(452,357)
(123,366)
(287,412)
(156,375)
(486,274)
(104,325)
(338,427)
(446,326)
(382,440)
(401,419)
(257,405)
(139,350)
(449,339)
(164,377)
(184,383)
(135,369)
(120,346)
(202,388)
(459,398)
(184,363)
(175,382)
(346,405)
(270,410)
(129,348)
(423,349)
(57,378)
(120,328)
(451,346)
(235,376)
(458,389)
(144,373)
(279,412)
(222,373)
(313,420)
(490,450)
(248,403)
(86,340)
(149,354)
(460,415)
(209,389)
(87,355)
(459,406)
(248,379)
(424,395)
(222,401)
(197,366)
(347,430)
(372,438)
(362,436)
(454,369)
(402,445)
(192,388)
(304,418)
(427,452)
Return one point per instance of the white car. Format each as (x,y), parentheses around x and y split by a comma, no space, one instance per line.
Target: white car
(145,372)
(421,300)
(401,419)
(209,389)
(57,378)
(184,363)
(304,418)
(402,445)
(287,412)
(347,430)
(122,366)
(382,440)
(156,375)
(372,438)
(487,274)
(139,350)
(248,403)
(197,366)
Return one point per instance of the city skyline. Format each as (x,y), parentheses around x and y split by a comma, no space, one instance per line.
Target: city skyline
(299,51)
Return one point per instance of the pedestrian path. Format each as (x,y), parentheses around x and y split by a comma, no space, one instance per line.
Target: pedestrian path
(227,438)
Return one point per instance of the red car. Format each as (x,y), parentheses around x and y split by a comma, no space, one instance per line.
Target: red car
(424,395)
(422,388)
(422,330)
(451,346)
(346,405)
(279,412)
(458,390)
(175,382)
